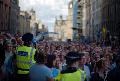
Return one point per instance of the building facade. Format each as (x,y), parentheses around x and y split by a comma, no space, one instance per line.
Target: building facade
(5,15)
(64,26)
(83,19)
(75,17)
(14,16)
(88,17)
(33,21)
(69,22)
(79,18)
(104,14)
(96,19)
(41,28)
(24,22)
(59,28)
(110,17)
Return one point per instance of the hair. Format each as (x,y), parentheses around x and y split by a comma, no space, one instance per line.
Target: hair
(110,56)
(99,65)
(6,43)
(50,59)
(40,57)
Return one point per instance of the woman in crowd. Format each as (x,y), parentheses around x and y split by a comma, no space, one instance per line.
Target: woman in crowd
(108,61)
(99,71)
(39,71)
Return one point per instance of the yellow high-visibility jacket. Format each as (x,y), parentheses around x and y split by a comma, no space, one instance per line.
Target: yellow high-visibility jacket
(25,58)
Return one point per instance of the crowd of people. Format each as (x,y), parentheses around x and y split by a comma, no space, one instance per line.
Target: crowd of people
(57,61)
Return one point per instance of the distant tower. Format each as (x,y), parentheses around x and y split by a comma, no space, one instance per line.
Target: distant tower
(32,11)
(56,20)
(61,17)
(70,8)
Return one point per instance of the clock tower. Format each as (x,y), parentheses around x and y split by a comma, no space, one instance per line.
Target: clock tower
(70,8)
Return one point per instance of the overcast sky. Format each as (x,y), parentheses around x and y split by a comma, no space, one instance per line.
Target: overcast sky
(46,10)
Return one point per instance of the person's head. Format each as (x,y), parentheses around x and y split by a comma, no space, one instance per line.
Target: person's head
(82,60)
(97,57)
(40,57)
(108,57)
(51,61)
(27,38)
(72,59)
(19,41)
(88,59)
(8,46)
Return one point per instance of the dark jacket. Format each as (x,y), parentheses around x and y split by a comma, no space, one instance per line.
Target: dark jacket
(2,55)
(2,58)
(96,77)
(114,75)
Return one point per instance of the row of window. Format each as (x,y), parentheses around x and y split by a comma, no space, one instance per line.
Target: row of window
(4,16)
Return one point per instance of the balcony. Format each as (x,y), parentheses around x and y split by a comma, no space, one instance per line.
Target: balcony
(80,30)
(79,10)
(79,16)
(75,28)
(79,20)
(79,24)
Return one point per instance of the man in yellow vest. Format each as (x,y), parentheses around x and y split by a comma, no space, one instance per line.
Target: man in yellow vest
(25,57)
(72,73)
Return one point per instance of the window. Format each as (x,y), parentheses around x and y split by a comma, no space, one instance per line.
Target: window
(71,6)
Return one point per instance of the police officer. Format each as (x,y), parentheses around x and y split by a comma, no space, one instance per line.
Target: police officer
(72,73)
(25,57)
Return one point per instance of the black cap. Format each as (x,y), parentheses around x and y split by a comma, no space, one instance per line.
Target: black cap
(27,37)
(72,57)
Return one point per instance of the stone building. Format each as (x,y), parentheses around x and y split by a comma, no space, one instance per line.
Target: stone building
(104,14)
(14,16)
(69,22)
(59,28)
(75,17)
(24,22)
(111,17)
(88,17)
(33,21)
(5,6)
(96,18)
(64,26)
